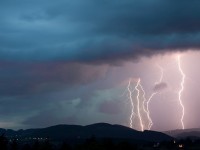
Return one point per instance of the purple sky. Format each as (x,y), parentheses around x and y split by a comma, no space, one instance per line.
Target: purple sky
(70,61)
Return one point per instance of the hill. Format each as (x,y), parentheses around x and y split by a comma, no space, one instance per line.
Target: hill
(181,134)
(99,130)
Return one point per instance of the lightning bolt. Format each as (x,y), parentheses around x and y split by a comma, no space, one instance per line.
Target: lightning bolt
(148,112)
(150,98)
(162,73)
(181,90)
(133,114)
(132,104)
(139,87)
(138,105)
(145,104)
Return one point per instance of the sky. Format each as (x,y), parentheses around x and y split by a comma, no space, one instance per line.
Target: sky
(69,62)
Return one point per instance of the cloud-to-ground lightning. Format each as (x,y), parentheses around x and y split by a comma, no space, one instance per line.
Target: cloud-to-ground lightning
(148,112)
(150,124)
(140,108)
(181,90)
(135,109)
(146,106)
(142,104)
(132,104)
(138,105)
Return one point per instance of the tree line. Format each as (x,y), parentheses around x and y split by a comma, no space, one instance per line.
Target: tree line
(95,144)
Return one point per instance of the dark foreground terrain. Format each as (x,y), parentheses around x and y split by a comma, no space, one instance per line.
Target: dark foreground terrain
(99,136)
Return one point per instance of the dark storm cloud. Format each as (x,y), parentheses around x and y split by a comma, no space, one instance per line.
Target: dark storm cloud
(36,78)
(97,31)
(52,52)
(160,86)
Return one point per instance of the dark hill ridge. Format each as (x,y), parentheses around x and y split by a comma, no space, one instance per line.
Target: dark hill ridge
(99,130)
(179,133)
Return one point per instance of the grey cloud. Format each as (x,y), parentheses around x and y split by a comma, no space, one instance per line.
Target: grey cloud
(110,107)
(36,78)
(160,86)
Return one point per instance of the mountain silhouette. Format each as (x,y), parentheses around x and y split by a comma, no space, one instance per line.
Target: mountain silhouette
(181,134)
(99,130)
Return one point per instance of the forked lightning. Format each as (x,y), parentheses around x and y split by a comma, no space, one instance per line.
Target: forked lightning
(181,90)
